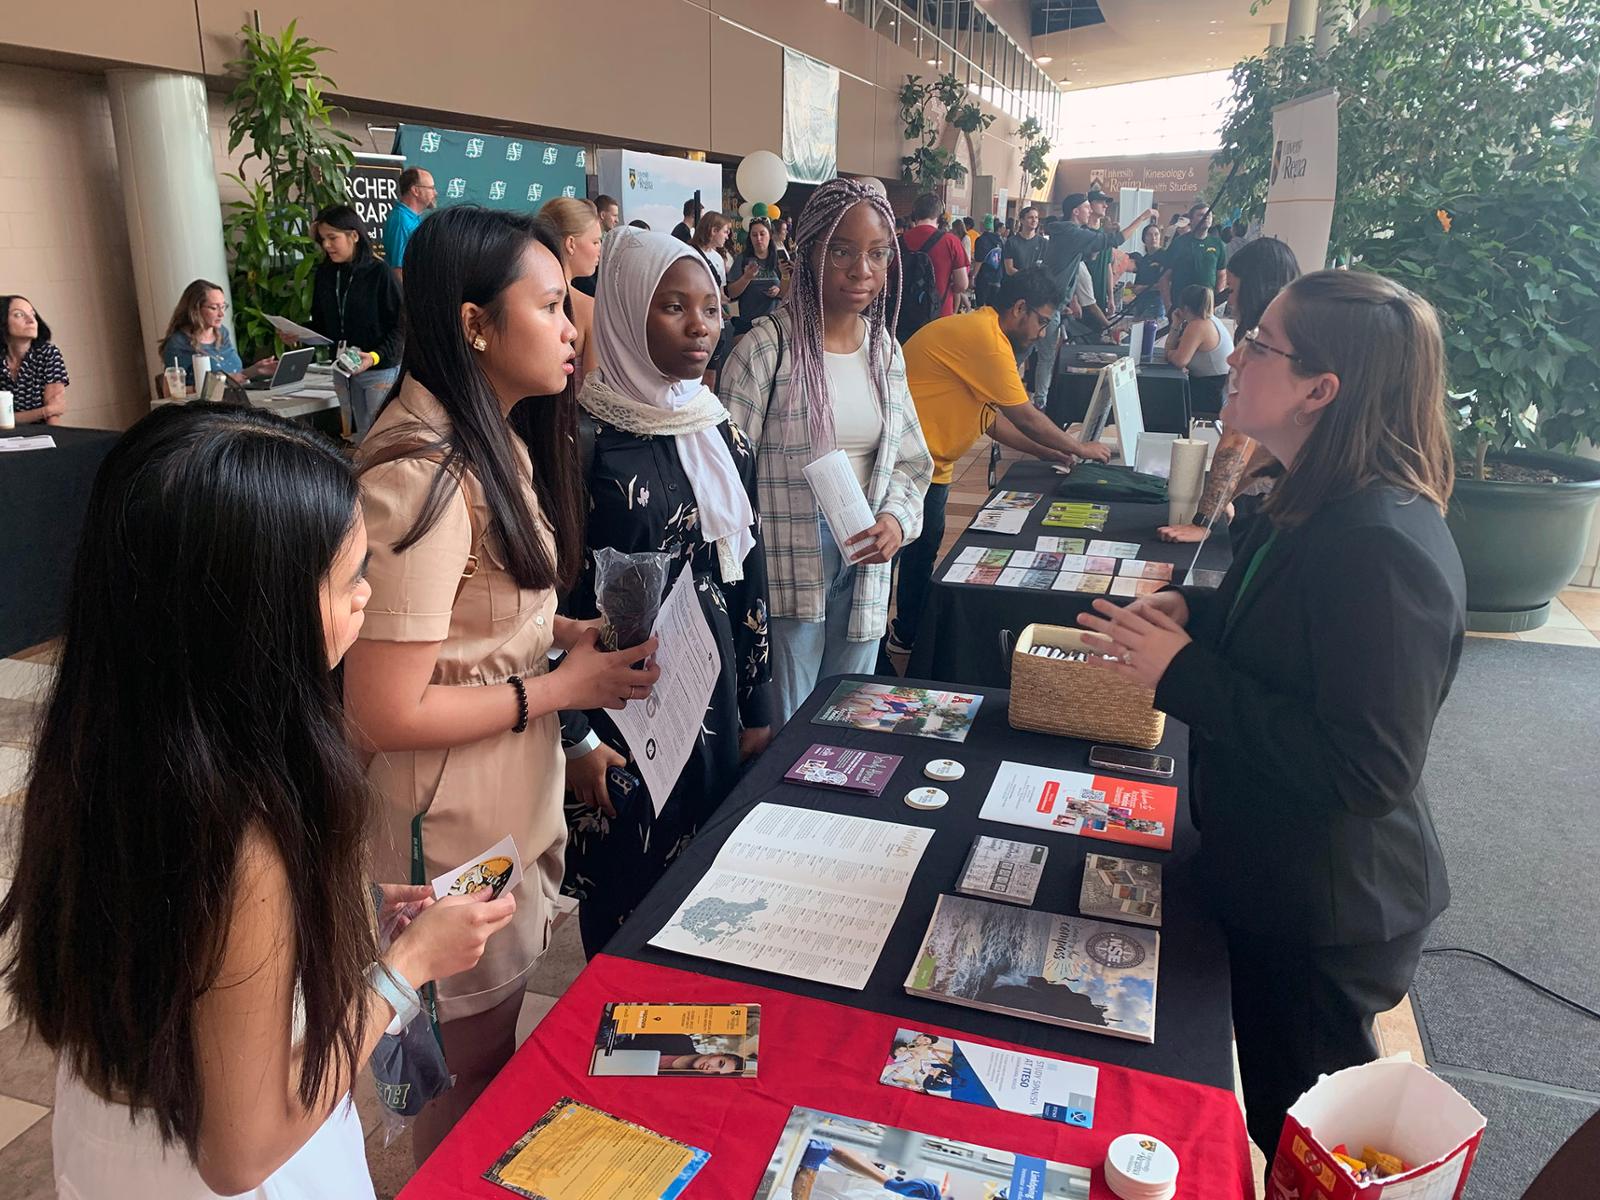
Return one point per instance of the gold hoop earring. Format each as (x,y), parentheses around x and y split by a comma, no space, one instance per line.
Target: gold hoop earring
(479,344)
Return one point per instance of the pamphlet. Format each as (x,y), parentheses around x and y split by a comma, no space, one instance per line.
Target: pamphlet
(1088,564)
(1042,560)
(1139,568)
(575,1152)
(884,708)
(1000,869)
(1121,889)
(1124,585)
(1018,577)
(826,1156)
(1071,581)
(1094,806)
(802,893)
(999,520)
(844,505)
(1115,549)
(685,1041)
(306,337)
(1062,545)
(38,441)
(498,869)
(843,769)
(956,1069)
(664,727)
(1040,966)
(1014,500)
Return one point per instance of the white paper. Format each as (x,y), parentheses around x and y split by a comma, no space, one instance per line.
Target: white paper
(1154,453)
(1060,545)
(1114,549)
(971,556)
(662,728)
(499,868)
(844,505)
(1000,520)
(306,337)
(802,893)
(39,441)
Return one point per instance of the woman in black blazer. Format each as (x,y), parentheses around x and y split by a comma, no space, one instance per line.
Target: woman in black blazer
(1311,678)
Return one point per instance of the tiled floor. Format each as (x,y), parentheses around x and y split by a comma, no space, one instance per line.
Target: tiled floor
(27,1084)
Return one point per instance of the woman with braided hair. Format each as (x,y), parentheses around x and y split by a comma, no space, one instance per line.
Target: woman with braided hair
(823,373)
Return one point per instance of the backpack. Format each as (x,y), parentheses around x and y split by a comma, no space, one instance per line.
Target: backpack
(989,273)
(921,300)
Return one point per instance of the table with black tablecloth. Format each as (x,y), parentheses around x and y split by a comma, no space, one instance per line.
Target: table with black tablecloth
(959,636)
(824,1046)
(43,495)
(1163,389)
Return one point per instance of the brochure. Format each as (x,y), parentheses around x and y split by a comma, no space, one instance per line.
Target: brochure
(1125,585)
(800,892)
(843,769)
(1115,549)
(1042,560)
(999,520)
(1094,806)
(1061,545)
(1121,889)
(884,708)
(684,1041)
(1000,869)
(1071,581)
(982,556)
(575,1152)
(1138,568)
(1039,580)
(1088,564)
(1040,966)
(956,1069)
(826,1156)
(1014,500)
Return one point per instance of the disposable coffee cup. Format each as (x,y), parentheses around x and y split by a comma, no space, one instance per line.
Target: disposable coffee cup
(176,385)
(8,411)
(202,368)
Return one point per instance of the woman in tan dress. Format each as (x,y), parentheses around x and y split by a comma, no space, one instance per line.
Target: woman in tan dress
(449,688)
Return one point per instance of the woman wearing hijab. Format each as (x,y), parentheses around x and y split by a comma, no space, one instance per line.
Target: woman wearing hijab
(671,473)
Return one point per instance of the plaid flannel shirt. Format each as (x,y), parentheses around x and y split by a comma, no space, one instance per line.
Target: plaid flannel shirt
(900,476)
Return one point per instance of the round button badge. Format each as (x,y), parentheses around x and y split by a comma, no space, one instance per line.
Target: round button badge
(945,769)
(927,798)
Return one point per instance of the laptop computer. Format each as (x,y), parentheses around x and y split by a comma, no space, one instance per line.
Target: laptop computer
(291,370)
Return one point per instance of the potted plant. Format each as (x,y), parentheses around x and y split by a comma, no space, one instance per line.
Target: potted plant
(928,111)
(1468,171)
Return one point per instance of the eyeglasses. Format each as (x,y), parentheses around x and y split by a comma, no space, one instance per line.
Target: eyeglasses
(1042,318)
(1255,347)
(214,308)
(842,257)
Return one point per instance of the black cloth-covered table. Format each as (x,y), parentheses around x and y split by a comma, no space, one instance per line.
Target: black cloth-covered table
(43,495)
(959,636)
(1193,1011)
(1163,390)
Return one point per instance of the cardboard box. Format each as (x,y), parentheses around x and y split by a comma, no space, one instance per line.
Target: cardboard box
(1392,1105)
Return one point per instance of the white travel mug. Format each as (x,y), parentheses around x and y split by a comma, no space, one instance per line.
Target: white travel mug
(8,411)
(198,373)
(1185,480)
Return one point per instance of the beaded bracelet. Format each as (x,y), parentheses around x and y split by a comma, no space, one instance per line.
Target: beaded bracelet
(522,703)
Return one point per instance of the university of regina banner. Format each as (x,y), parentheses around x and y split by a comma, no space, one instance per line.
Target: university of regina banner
(497,172)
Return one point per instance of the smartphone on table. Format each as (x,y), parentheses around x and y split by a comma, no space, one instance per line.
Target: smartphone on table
(1135,762)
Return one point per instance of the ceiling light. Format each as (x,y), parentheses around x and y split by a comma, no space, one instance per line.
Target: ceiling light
(933,62)
(1043,59)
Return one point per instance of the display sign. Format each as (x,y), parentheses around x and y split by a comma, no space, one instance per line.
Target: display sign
(497,172)
(1305,176)
(1176,180)
(372,188)
(810,118)
(653,187)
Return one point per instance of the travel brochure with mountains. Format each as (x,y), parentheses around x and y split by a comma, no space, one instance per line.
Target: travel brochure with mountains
(1041,966)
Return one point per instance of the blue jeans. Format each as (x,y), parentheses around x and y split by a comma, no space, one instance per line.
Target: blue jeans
(1044,352)
(361,395)
(806,651)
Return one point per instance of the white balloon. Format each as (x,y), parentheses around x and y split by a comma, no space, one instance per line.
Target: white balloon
(873,182)
(744,211)
(762,177)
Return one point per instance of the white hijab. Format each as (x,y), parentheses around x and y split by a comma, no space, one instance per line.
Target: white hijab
(632,262)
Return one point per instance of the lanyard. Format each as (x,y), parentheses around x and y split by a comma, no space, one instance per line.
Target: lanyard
(1259,557)
(341,295)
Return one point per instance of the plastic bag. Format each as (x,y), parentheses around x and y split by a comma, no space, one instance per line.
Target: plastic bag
(628,589)
(408,1068)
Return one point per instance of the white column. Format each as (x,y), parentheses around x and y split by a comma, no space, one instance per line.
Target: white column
(169,193)
(1330,25)
(1302,20)
(1275,34)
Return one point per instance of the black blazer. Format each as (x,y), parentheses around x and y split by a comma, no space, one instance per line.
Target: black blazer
(370,317)
(1310,716)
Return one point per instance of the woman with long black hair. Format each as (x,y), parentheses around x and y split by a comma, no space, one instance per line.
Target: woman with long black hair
(189,927)
(472,534)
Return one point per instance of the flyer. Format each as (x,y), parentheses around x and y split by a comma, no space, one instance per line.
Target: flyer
(1114,549)
(844,769)
(956,1069)
(1040,580)
(1094,806)
(999,520)
(575,1152)
(885,708)
(1072,581)
(1127,585)
(683,1041)
(1061,545)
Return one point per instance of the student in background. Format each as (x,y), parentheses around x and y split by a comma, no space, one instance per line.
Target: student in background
(189,929)
(757,279)
(710,241)
(610,214)
(197,328)
(1311,679)
(669,473)
(450,688)
(684,229)
(32,370)
(1198,341)
(417,196)
(576,225)
(823,373)
(948,253)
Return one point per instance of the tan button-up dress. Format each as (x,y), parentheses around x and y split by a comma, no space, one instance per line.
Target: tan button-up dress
(440,807)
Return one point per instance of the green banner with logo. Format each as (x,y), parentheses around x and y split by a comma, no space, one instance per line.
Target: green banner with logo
(497,172)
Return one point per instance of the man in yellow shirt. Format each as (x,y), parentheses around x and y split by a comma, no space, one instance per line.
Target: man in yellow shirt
(962,371)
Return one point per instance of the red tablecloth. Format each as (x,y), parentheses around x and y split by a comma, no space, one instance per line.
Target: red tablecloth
(818,1055)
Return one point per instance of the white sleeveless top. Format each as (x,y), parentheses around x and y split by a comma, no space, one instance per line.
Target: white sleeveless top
(101,1155)
(1215,360)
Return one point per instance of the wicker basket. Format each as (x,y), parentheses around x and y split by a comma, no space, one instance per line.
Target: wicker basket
(1076,699)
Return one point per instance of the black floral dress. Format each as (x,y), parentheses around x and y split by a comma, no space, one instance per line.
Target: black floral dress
(641,499)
